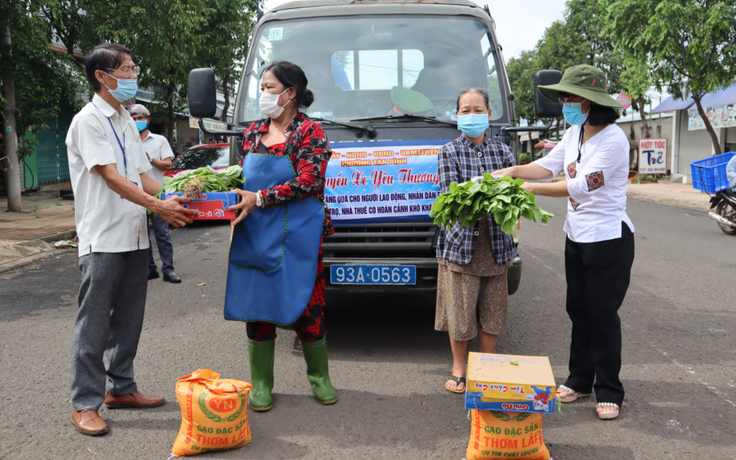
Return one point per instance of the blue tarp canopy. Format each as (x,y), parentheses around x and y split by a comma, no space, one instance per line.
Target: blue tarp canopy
(671,104)
(723,96)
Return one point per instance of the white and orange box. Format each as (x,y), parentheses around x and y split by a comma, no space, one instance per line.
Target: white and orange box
(512,383)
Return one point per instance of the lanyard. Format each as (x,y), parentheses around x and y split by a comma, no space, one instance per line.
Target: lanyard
(122,147)
(121,144)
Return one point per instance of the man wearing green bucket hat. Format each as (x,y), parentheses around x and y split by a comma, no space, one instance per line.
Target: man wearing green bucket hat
(599,249)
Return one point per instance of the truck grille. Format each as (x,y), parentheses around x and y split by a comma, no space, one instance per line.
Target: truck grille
(405,237)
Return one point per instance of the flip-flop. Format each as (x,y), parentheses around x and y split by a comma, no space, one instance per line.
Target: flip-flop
(458,381)
(608,415)
(570,394)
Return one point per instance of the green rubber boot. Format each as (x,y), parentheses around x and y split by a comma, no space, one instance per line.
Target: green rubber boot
(261,372)
(315,354)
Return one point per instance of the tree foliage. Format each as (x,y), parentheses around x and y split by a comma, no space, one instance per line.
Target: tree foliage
(576,39)
(168,38)
(689,45)
(521,72)
(41,76)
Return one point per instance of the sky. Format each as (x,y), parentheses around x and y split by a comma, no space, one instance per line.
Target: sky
(519,24)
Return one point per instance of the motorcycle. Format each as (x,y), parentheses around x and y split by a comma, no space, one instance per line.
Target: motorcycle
(724,203)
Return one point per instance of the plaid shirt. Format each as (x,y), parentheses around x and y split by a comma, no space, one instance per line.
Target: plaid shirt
(460,161)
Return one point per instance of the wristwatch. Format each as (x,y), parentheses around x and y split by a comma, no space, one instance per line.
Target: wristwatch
(150,160)
(259,200)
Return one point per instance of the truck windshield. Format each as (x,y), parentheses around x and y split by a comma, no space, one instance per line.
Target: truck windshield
(361,67)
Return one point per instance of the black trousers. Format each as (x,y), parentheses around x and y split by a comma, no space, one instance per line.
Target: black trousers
(598,276)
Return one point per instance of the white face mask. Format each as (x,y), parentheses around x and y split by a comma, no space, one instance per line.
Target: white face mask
(269,103)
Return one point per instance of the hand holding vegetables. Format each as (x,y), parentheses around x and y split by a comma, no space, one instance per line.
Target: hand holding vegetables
(505,198)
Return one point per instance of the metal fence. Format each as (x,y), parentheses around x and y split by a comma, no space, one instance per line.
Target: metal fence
(53,166)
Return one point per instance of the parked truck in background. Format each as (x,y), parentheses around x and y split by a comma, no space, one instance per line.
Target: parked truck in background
(364,59)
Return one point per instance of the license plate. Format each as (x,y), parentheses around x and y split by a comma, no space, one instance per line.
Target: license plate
(373,274)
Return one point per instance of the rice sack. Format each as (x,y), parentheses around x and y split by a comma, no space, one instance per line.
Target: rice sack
(214,414)
(496,435)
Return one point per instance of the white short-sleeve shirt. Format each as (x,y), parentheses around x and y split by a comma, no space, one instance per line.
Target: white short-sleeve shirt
(158,148)
(596,185)
(106,222)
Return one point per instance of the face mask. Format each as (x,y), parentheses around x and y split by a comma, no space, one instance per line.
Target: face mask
(473,125)
(142,125)
(127,88)
(269,103)
(573,115)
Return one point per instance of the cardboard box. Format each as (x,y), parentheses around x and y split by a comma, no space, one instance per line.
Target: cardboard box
(494,383)
(211,205)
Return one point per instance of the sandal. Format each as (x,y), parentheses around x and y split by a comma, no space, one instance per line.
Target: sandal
(568,395)
(458,381)
(608,414)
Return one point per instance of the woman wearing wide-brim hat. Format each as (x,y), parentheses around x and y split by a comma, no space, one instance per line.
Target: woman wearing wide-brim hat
(599,250)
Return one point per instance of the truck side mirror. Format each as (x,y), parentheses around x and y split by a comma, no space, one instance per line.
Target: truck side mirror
(202,94)
(543,106)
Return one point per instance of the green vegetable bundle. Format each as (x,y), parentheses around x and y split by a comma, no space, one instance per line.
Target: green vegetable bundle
(504,198)
(211,181)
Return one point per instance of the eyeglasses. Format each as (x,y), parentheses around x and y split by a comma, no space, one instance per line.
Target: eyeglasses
(567,101)
(129,71)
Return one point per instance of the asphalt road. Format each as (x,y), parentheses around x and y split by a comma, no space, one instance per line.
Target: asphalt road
(387,362)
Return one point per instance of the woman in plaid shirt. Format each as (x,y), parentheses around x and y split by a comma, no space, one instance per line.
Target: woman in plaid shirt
(472,290)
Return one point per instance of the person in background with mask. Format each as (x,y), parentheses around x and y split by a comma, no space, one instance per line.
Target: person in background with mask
(112,190)
(599,250)
(275,273)
(160,156)
(472,289)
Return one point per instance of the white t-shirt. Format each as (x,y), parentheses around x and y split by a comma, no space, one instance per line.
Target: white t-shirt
(106,222)
(597,185)
(158,148)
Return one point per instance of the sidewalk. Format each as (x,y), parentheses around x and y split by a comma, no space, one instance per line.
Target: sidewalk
(26,236)
(674,194)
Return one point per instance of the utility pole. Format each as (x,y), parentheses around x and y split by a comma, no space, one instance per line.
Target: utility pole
(9,130)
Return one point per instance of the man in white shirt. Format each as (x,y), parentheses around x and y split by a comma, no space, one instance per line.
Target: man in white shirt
(108,165)
(160,156)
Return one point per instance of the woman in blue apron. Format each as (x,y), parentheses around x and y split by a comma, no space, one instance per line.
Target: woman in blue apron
(275,271)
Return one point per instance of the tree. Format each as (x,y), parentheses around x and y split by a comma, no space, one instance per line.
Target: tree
(637,81)
(36,78)
(576,39)
(689,45)
(521,72)
(164,37)
(225,32)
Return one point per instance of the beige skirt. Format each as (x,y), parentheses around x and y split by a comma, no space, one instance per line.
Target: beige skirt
(473,295)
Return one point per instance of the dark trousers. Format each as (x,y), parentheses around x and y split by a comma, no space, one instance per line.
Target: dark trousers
(109,321)
(598,276)
(163,241)
(310,326)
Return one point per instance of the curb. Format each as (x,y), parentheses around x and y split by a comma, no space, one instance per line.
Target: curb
(669,202)
(47,239)
(17,263)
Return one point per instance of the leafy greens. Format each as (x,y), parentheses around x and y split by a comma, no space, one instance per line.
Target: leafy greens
(505,198)
(211,181)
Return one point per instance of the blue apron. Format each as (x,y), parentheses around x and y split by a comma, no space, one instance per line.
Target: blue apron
(274,251)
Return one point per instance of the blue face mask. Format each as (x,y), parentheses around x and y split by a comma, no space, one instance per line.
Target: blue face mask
(142,125)
(473,125)
(127,88)
(573,115)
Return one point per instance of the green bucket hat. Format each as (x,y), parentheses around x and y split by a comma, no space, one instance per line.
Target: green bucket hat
(584,81)
(410,101)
